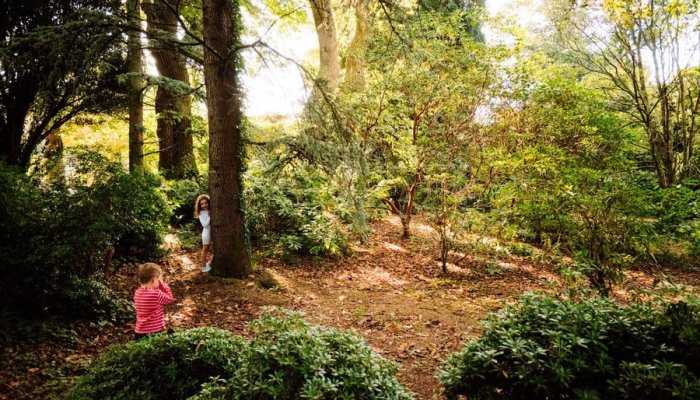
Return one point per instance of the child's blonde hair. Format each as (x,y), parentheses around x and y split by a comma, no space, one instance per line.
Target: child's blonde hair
(148,271)
(197,208)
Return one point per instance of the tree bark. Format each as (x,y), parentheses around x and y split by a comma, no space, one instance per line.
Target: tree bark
(11,132)
(135,66)
(329,64)
(222,66)
(354,64)
(407,212)
(173,107)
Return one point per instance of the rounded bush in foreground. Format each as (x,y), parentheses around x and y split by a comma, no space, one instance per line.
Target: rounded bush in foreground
(162,366)
(290,359)
(545,348)
(287,359)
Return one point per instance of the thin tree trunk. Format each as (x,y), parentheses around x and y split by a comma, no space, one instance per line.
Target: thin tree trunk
(354,65)
(173,108)
(221,26)
(359,197)
(407,212)
(329,64)
(135,66)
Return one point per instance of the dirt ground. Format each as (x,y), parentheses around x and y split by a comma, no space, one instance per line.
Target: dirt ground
(390,291)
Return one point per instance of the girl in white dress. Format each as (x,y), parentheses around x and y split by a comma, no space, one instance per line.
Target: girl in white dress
(201,210)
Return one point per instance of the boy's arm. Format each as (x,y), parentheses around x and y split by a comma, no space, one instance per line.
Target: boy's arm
(165,296)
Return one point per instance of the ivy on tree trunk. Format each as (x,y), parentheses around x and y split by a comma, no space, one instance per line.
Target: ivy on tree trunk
(222,66)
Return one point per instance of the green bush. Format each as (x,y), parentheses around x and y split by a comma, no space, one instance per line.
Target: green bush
(181,195)
(291,212)
(162,366)
(592,216)
(90,296)
(290,359)
(596,349)
(677,207)
(520,249)
(55,235)
(132,212)
(190,236)
(678,215)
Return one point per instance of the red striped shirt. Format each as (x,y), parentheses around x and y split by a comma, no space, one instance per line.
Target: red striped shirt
(149,304)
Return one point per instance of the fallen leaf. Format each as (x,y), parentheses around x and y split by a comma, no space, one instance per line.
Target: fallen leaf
(392,329)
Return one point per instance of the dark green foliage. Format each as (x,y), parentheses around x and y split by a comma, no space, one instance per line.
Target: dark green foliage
(677,207)
(290,210)
(162,366)
(678,214)
(290,359)
(596,349)
(181,195)
(80,296)
(190,236)
(22,329)
(58,59)
(54,237)
(130,210)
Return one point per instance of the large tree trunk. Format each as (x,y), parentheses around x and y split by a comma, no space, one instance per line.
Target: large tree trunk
(11,142)
(14,148)
(221,26)
(354,65)
(172,106)
(135,66)
(329,66)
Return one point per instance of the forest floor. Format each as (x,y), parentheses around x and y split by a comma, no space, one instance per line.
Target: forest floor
(390,291)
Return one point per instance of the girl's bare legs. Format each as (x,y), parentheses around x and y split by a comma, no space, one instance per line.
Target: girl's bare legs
(205,250)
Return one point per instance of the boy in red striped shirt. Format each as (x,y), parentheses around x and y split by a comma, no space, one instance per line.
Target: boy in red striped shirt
(149,300)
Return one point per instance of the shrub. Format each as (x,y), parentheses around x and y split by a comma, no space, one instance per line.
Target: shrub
(190,236)
(593,216)
(54,235)
(547,348)
(162,366)
(181,195)
(291,211)
(132,212)
(520,249)
(678,215)
(290,359)
(90,296)
(676,207)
